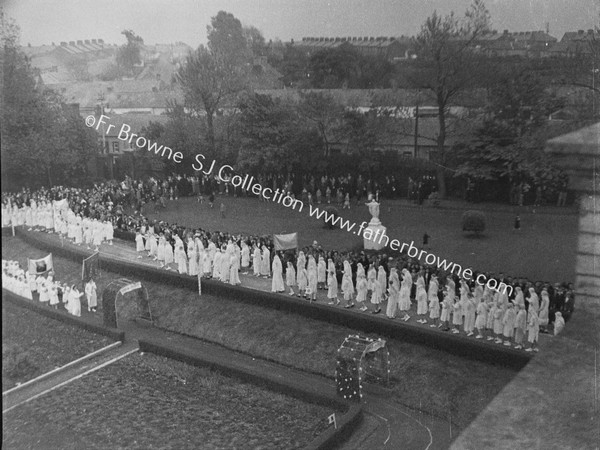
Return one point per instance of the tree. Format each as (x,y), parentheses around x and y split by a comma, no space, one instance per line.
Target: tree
(334,68)
(509,144)
(130,53)
(324,113)
(44,141)
(447,65)
(214,74)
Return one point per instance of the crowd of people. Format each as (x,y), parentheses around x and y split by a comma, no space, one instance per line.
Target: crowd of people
(89,216)
(45,289)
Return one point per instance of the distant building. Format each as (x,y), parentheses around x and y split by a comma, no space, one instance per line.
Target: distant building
(390,48)
(574,43)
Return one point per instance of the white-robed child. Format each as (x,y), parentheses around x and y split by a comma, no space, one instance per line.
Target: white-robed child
(91,295)
(245,258)
(44,294)
(394,294)
(265,262)
(520,325)
(75,301)
(508,322)
(53,292)
(169,257)
(321,273)
(470,316)
(109,232)
(139,243)
(290,277)
(481,319)
(180,257)
(421,297)
(533,329)
(301,278)
(376,295)
(192,254)
(361,290)
(347,285)
(153,244)
(256,261)
(447,306)
(332,287)
(234,269)
(498,326)
(559,323)
(160,250)
(405,290)
(434,310)
(311,288)
(216,265)
(277,271)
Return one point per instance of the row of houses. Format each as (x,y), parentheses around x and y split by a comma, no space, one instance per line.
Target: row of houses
(529,44)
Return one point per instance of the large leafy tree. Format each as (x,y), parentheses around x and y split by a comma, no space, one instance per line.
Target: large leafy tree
(324,114)
(509,144)
(447,65)
(215,74)
(44,141)
(130,53)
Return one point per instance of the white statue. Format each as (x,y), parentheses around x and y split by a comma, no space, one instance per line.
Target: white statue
(373,210)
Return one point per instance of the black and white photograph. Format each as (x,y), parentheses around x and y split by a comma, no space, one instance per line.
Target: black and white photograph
(310,224)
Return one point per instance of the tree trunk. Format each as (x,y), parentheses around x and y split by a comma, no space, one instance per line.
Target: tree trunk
(210,131)
(441,141)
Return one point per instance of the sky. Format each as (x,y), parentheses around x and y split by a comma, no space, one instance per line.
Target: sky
(169,21)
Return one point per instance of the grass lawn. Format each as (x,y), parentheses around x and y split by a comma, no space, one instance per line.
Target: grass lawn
(33,344)
(422,377)
(544,248)
(150,402)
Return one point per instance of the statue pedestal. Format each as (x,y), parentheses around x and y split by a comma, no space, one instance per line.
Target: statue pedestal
(372,239)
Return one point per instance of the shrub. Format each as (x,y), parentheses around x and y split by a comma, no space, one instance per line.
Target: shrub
(434,197)
(333,213)
(16,362)
(473,221)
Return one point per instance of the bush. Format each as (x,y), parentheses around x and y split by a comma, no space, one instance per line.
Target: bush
(332,213)
(16,362)
(434,197)
(473,221)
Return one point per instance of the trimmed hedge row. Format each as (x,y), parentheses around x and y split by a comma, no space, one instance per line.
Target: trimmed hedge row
(347,422)
(368,323)
(112,333)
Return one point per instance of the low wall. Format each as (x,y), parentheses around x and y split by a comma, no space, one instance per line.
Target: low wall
(346,422)
(62,316)
(479,350)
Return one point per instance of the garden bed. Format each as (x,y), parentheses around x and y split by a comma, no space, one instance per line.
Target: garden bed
(33,344)
(146,401)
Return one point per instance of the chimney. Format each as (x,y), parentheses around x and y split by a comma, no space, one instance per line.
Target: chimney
(80,42)
(100,41)
(579,31)
(87,41)
(71,42)
(590,32)
(506,32)
(63,44)
(94,41)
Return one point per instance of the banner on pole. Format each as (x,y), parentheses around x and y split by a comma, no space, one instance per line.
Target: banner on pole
(331,420)
(40,266)
(285,241)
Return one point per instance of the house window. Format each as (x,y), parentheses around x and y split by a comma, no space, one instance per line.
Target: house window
(407,154)
(115,146)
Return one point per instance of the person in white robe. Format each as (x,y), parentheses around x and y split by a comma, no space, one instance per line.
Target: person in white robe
(43,290)
(160,250)
(153,244)
(361,290)
(180,257)
(533,300)
(91,294)
(405,289)
(348,285)
(75,301)
(277,271)
(301,277)
(421,297)
(371,277)
(78,230)
(481,319)
(139,243)
(225,264)
(332,285)
(206,263)
(245,258)
(169,257)
(520,325)
(489,326)
(290,277)
(109,232)
(265,262)
(470,315)
(193,269)
(216,264)
(234,269)
(498,326)
(256,260)
(382,278)
(97,234)
(311,288)
(394,294)
(321,273)
(533,329)
(508,322)
(559,323)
